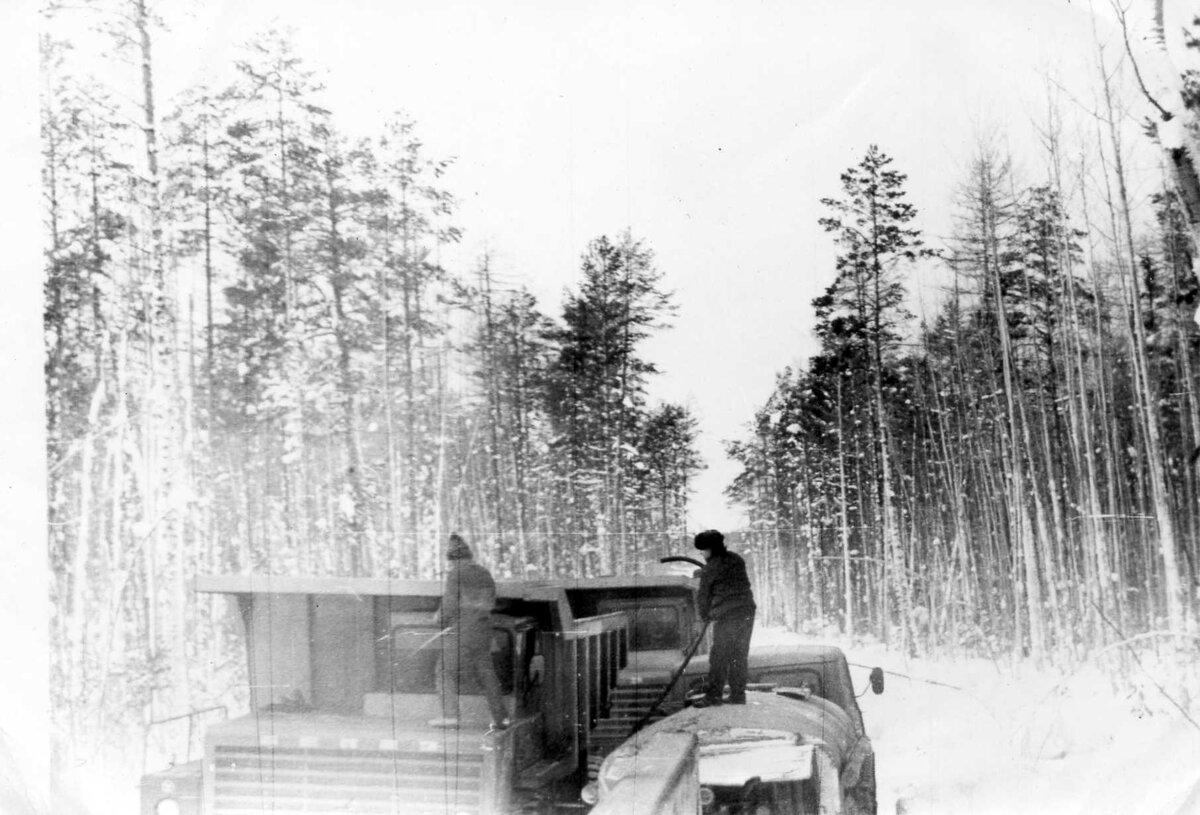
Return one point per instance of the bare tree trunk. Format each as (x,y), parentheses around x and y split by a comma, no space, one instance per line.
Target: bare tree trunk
(390,544)
(1146,396)
(1191,428)
(162,432)
(1016,473)
(844,521)
(78,576)
(410,477)
(359,554)
(495,417)
(520,443)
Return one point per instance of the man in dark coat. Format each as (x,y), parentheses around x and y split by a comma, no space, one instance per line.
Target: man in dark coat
(726,599)
(466,610)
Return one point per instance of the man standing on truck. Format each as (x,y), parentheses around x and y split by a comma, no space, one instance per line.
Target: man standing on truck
(726,599)
(466,611)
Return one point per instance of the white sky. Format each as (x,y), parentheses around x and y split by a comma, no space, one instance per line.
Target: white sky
(711,129)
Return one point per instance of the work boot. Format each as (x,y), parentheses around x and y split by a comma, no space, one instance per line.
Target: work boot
(445,721)
(707,701)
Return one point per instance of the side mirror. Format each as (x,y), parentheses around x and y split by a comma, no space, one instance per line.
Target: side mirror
(877,680)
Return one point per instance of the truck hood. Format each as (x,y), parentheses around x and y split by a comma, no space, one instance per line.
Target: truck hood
(814,721)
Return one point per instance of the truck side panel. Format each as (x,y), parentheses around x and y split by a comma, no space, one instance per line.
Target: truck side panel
(278,626)
(343,660)
(558,704)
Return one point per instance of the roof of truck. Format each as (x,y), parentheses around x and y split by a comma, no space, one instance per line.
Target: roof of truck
(626,581)
(360,586)
(790,653)
(550,592)
(259,585)
(386,586)
(785,656)
(286,584)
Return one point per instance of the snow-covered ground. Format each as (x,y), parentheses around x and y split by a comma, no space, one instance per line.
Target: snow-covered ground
(1007,739)
(1012,739)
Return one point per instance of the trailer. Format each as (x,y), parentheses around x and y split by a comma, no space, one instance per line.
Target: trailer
(344,690)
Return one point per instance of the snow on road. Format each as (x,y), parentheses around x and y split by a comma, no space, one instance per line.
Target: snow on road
(1014,739)
(1007,739)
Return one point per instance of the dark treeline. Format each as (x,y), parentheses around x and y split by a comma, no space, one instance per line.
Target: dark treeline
(257,362)
(1013,473)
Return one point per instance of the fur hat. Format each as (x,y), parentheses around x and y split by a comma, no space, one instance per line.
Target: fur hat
(458,548)
(710,539)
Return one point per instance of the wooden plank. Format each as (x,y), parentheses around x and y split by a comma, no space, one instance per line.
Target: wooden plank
(603,643)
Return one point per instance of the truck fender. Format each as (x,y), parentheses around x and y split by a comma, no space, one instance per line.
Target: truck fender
(852,770)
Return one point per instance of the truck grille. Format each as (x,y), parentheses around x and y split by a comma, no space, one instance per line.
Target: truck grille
(629,704)
(299,781)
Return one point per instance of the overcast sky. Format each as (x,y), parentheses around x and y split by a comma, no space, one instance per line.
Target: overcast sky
(711,129)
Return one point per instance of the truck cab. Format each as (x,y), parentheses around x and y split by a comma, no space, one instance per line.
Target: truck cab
(793,748)
(663,624)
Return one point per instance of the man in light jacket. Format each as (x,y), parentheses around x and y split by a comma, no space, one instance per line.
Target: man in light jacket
(467,603)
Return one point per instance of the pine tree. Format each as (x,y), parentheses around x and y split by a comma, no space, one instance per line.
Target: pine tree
(408,213)
(596,387)
(667,462)
(275,153)
(871,228)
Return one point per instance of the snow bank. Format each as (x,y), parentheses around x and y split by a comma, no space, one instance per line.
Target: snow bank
(1014,739)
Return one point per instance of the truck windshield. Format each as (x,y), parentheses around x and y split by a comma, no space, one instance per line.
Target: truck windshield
(655,628)
(416,656)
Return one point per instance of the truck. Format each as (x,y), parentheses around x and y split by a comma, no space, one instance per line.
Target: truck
(787,751)
(817,676)
(344,687)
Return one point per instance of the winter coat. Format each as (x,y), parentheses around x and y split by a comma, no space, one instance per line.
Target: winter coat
(724,588)
(467,601)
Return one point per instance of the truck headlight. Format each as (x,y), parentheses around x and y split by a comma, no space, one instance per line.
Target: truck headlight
(167,806)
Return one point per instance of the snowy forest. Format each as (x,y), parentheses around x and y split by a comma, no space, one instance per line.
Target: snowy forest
(1017,470)
(256,360)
